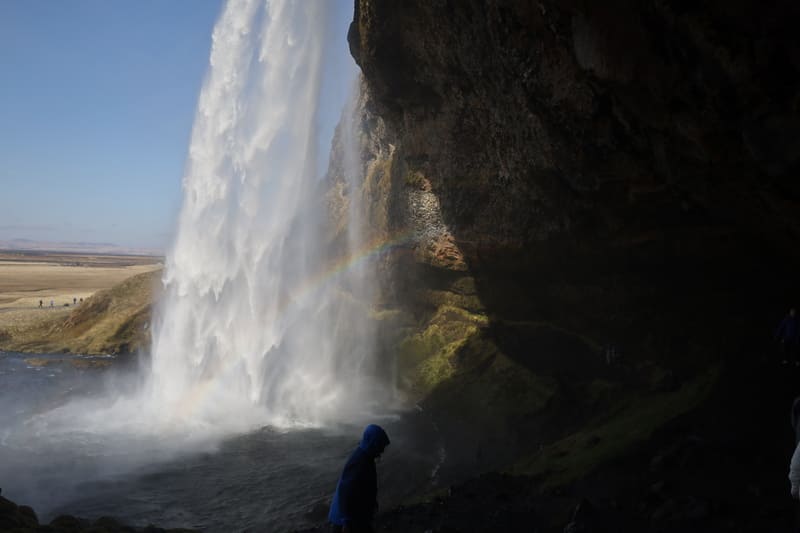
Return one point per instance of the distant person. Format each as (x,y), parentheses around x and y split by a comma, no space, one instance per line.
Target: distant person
(356,498)
(787,335)
(52,304)
(41,304)
(74,301)
(81,300)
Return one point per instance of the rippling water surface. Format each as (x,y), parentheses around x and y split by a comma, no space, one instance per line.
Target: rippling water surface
(265,480)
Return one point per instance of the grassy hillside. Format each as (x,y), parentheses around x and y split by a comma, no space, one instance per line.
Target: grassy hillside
(111,321)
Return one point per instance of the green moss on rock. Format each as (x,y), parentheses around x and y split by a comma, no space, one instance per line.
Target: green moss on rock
(111,321)
(428,357)
(614,433)
(438,298)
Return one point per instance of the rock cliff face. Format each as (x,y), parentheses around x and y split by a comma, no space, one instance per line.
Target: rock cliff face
(543,119)
(597,207)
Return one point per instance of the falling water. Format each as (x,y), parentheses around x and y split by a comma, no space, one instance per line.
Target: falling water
(254,326)
(262,322)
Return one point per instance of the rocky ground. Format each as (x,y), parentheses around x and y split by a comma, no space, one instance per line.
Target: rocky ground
(596,215)
(22,519)
(692,475)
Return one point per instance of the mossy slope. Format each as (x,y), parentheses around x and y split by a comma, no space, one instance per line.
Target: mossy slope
(111,321)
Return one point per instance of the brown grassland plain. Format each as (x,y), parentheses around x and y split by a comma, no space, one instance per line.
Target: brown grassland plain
(118,292)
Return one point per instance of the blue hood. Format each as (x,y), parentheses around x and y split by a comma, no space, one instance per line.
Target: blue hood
(374,440)
(355,499)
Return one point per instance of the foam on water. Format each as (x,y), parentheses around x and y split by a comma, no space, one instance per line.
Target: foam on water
(258,325)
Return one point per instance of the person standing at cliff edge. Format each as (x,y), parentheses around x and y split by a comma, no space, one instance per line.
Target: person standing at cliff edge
(356,498)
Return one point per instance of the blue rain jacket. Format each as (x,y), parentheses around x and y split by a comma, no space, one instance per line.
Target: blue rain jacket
(355,499)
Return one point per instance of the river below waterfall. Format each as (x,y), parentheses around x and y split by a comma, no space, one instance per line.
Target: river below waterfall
(270,479)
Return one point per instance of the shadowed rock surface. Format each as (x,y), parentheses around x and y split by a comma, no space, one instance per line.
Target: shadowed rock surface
(594,211)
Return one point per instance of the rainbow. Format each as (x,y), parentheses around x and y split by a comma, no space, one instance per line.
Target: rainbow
(334,269)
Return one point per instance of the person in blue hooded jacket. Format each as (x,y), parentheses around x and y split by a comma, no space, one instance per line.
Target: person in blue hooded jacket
(356,497)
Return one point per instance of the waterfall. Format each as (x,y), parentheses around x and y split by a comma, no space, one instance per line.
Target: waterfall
(257,324)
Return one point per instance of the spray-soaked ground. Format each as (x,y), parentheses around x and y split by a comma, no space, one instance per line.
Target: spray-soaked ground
(266,480)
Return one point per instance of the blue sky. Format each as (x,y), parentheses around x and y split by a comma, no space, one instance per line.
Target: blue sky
(97,99)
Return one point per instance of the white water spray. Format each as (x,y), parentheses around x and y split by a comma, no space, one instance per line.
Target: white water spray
(251,326)
(258,324)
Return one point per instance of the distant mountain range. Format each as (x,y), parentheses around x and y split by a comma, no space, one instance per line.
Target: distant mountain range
(76,247)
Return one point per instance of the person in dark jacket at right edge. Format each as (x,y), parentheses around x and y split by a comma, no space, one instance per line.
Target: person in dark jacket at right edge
(356,497)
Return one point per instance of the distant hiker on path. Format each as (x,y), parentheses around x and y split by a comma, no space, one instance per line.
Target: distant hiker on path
(74,301)
(788,335)
(41,304)
(356,498)
(52,304)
